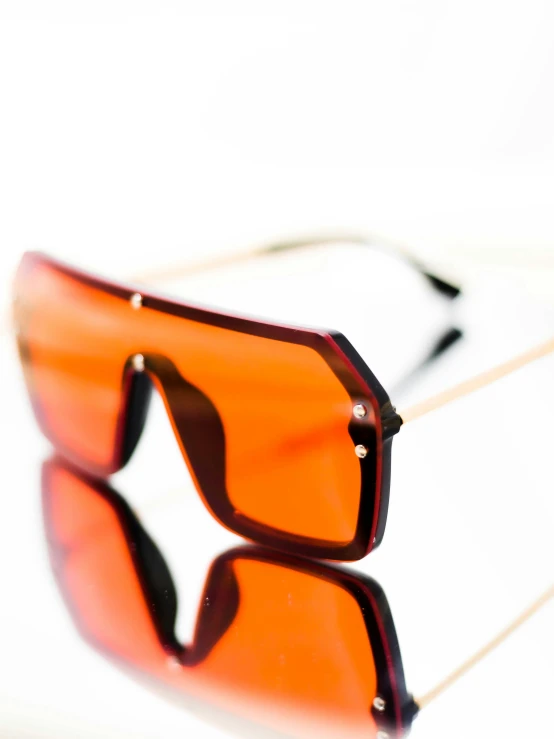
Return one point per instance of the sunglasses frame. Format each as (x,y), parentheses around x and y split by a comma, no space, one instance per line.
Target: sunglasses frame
(344,361)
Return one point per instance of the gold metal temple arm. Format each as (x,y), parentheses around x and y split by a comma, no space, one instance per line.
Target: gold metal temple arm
(476,383)
(177,271)
(474,660)
(226,260)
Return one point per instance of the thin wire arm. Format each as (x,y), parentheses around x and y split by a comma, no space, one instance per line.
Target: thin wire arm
(476,383)
(192,268)
(226,260)
(448,681)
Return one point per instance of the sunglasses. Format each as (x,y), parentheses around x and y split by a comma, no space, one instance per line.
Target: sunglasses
(300,648)
(286,432)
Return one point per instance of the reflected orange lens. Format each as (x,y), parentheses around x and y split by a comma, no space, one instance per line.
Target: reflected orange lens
(274,643)
(297,651)
(263,414)
(89,551)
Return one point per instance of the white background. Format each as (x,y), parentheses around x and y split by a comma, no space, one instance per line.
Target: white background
(138,134)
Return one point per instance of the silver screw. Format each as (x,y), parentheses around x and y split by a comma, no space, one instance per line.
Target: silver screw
(361,451)
(138,363)
(379,704)
(136,301)
(360,411)
(173,663)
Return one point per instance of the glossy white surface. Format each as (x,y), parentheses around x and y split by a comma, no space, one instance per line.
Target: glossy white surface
(468,544)
(136,133)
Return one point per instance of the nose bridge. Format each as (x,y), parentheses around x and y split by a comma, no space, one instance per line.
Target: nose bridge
(221,591)
(137,392)
(194,418)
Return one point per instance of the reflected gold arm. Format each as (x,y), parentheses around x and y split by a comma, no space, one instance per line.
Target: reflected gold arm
(474,660)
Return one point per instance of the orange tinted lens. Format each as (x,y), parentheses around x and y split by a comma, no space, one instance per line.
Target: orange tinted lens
(263,423)
(274,644)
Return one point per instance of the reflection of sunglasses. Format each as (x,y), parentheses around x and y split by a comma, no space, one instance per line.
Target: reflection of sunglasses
(286,431)
(300,648)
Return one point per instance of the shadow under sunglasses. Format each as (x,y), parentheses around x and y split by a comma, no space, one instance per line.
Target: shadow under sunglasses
(282,645)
